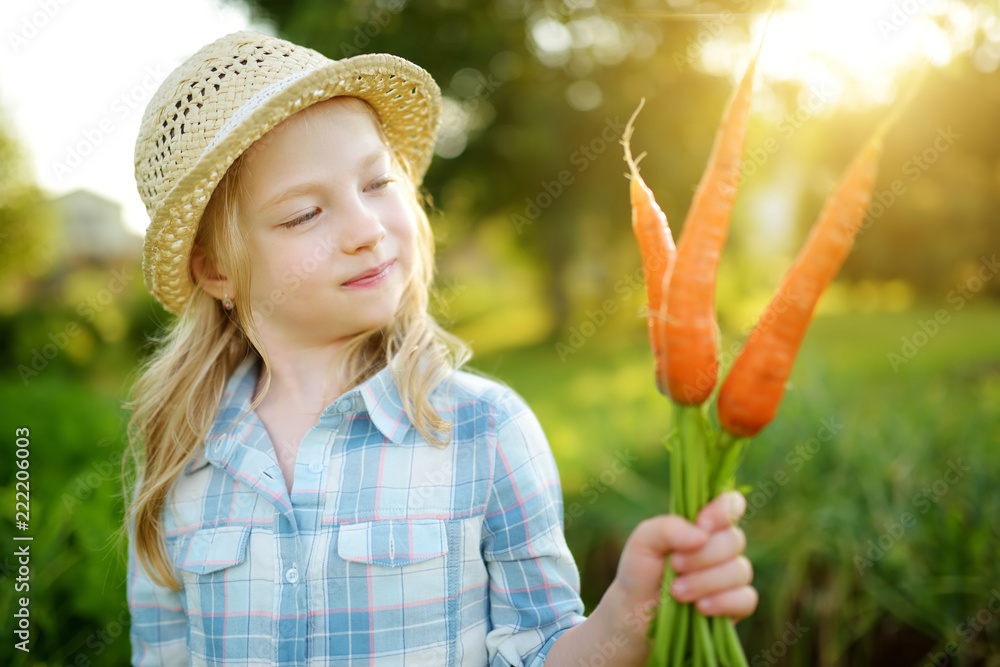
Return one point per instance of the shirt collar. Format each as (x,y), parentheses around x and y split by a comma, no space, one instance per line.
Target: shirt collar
(379,394)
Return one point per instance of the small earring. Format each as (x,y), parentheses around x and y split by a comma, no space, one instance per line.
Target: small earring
(227,303)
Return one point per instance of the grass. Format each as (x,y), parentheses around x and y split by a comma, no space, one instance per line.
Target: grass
(871,523)
(863,538)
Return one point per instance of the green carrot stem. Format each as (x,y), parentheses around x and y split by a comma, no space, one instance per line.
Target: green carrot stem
(724,440)
(701,626)
(666,613)
(690,441)
(735,648)
(658,655)
(721,640)
(697,648)
(702,465)
(698,469)
(656,660)
(680,639)
(676,466)
(732,456)
(693,448)
(699,438)
(663,629)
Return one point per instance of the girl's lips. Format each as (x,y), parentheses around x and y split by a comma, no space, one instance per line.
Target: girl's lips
(371,281)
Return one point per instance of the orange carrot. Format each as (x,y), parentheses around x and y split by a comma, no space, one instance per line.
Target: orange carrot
(656,249)
(691,332)
(750,395)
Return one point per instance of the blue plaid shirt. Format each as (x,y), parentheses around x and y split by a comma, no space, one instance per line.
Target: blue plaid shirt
(387,551)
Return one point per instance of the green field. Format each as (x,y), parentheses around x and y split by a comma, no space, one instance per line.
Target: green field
(860,529)
(873,525)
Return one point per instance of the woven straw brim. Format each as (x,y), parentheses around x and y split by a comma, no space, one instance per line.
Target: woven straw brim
(406,98)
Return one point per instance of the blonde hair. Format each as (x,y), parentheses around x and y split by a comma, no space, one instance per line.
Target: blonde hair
(178,388)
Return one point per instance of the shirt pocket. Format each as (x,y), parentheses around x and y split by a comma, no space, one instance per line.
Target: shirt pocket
(214,565)
(401,569)
(393,542)
(209,550)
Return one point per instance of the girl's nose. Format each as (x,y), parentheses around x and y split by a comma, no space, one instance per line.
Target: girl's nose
(365,231)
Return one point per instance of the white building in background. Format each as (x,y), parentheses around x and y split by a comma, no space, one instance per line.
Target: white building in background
(93,231)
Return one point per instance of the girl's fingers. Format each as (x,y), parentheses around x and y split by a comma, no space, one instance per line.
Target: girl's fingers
(737,603)
(725,510)
(665,533)
(721,546)
(692,586)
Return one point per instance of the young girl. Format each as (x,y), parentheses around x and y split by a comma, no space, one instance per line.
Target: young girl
(318,482)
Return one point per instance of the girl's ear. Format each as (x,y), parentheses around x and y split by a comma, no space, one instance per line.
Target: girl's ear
(207,277)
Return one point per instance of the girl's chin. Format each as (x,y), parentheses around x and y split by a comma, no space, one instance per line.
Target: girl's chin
(330,321)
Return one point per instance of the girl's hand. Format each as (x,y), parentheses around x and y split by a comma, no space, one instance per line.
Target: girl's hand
(707,555)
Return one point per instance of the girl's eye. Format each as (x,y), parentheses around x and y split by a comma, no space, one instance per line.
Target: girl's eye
(306,217)
(382,183)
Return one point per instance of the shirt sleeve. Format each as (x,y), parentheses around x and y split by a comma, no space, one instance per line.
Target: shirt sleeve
(534,584)
(159,627)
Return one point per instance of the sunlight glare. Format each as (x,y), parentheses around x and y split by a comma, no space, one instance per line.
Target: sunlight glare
(859,49)
(862,44)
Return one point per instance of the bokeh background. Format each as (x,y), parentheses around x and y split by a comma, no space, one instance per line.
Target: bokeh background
(874,512)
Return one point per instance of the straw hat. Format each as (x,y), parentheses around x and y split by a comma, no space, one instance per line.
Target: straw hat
(211,108)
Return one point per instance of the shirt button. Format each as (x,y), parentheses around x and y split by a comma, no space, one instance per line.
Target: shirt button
(344,406)
(292,575)
(316,467)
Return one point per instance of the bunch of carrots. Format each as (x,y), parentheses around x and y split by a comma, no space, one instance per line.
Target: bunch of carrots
(684,338)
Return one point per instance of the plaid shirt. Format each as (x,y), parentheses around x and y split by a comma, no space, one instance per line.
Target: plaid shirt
(387,551)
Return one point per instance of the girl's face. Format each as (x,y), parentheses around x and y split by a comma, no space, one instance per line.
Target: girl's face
(323,202)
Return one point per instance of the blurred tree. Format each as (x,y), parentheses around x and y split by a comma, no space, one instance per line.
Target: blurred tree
(27,222)
(945,160)
(536,96)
